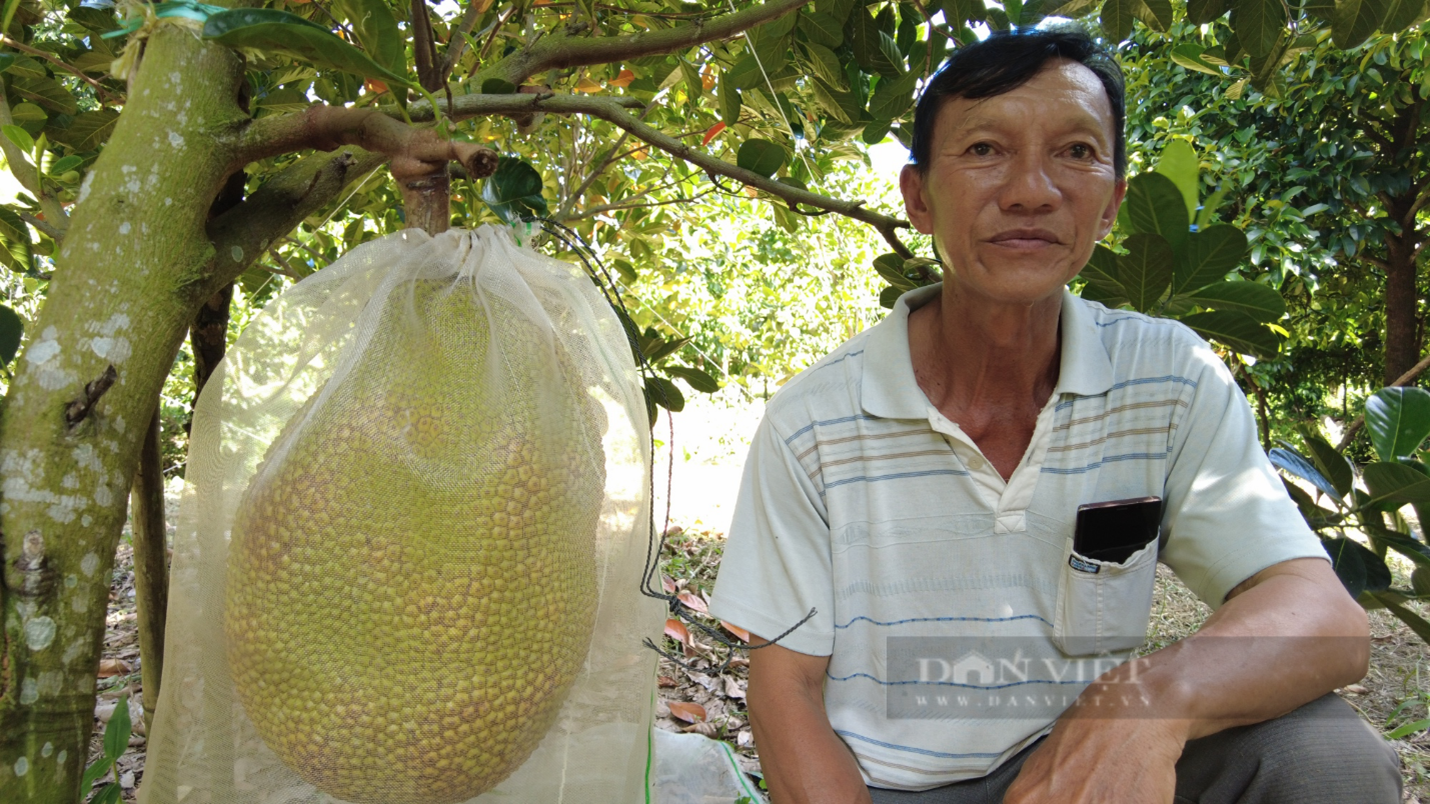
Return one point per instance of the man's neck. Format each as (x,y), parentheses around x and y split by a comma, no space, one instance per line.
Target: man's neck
(987,366)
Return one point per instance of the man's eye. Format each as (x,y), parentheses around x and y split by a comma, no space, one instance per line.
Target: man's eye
(1080,151)
(981,149)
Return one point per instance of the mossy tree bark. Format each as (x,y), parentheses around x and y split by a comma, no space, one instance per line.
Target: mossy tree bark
(151,566)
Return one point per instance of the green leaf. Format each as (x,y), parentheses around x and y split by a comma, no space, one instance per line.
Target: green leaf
(1155,14)
(1399,14)
(826,65)
(1117,17)
(822,29)
(1208,257)
(889,296)
(875,131)
(1396,484)
(15,237)
(1179,163)
(1331,463)
(1154,204)
(1258,24)
(1190,56)
(894,96)
(88,130)
(665,394)
(498,86)
(109,794)
(843,106)
(1354,21)
(1290,461)
(100,767)
(20,137)
(25,67)
(117,732)
(1359,569)
(699,380)
(1145,271)
(729,100)
(1398,420)
(694,86)
(1403,544)
(513,192)
(47,92)
(1202,12)
(1255,299)
(1410,618)
(29,117)
(12,327)
(761,156)
(1204,217)
(1100,273)
(956,12)
(891,267)
(745,74)
(376,29)
(864,37)
(1235,330)
(276,31)
(1410,728)
(99,20)
(285,99)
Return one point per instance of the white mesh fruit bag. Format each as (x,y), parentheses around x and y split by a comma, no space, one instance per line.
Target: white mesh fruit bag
(410,547)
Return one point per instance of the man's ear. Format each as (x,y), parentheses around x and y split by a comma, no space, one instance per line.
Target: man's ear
(1109,215)
(911,184)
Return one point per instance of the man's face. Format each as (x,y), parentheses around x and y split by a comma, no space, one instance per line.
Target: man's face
(1020,186)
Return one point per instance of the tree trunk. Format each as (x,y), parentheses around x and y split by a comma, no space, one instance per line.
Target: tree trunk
(1402,320)
(131,274)
(208,338)
(151,567)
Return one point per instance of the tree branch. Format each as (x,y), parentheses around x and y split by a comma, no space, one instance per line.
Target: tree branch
(55,234)
(457,42)
(1359,422)
(563,51)
(105,96)
(593,211)
(424,48)
(612,111)
(244,234)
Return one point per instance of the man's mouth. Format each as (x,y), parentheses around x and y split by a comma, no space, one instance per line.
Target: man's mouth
(1025,238)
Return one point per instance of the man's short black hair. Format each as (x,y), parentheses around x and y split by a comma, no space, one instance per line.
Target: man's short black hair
(1005,61)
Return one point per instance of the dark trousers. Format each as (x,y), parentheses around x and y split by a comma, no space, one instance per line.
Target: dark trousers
(1322,753)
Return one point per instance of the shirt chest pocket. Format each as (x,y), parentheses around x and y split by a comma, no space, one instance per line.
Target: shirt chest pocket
(1104,607)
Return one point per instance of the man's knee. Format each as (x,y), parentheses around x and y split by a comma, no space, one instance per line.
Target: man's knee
(1323,751)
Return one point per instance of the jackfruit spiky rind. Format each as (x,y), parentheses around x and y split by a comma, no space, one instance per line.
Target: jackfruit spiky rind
(411,586)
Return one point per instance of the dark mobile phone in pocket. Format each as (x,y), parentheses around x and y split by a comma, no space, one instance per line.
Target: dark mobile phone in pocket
(1114,530)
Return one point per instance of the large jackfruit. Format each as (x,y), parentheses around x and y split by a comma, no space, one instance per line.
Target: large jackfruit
(411,584)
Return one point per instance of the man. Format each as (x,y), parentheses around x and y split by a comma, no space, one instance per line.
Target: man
(917,490)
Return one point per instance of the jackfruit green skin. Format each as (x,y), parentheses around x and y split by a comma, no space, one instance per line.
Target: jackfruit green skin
(411,588)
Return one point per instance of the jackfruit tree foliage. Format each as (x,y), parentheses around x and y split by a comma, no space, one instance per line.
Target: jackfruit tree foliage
(142,202)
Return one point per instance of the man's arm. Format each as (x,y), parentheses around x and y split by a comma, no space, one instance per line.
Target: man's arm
(803,759)
(1285,636)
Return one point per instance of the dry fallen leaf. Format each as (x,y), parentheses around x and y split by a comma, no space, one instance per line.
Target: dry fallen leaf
(745,739)
(691,600)
(702,728)
(587,85)
(737,631)
(1354,689)
(686,711)
(666,681)
(665,582)
(677,631)
(112,667)
(622,80)
(732,688)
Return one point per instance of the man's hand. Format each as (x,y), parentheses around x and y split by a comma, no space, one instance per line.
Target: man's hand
(1101,760)
(1285,637)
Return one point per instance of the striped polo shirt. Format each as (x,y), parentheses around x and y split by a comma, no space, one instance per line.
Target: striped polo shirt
(957,620)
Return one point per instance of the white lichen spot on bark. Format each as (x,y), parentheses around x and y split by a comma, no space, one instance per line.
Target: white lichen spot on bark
(70,481)
(71,581)
(44,356)
(85,684)
(119,425)
(47,750)
(80,604)
(84,187)
(89,564)
(29,691)
(51,682)
(236,253)
(115,350)
(176,140)
(22,766)
(63,755)
(124,228)
(103,496)
(87,457)
(39,633)
(74,649)
(86,520)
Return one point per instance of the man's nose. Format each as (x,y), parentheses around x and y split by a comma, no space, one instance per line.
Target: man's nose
(1029,185)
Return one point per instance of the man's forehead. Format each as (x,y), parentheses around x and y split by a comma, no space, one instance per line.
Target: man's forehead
(1063,87)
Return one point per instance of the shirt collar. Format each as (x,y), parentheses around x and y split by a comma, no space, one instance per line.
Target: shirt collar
(888,388)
